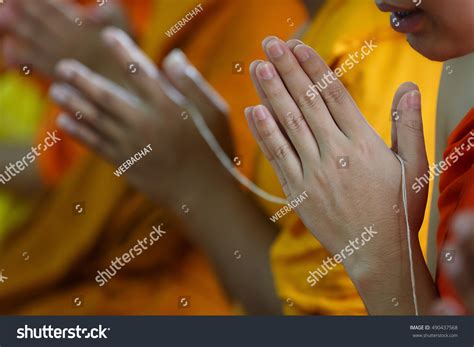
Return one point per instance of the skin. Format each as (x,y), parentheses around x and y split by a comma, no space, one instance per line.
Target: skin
(444,29)
(303,148)
(41,33)
(303,139)
(115,141)
(181,169)
(442,36)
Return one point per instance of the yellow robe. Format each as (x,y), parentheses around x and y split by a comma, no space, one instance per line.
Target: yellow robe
(340,28)
(21,105)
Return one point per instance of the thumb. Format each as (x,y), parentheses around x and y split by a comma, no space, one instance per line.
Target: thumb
(408,128)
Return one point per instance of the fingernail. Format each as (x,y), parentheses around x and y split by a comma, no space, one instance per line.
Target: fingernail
(414,100)
(64,122)
(110,36)
(58,93)
(248,110)
(265,71)
(177,57)
(113,36)
(301,53)
(260,113)
(267,39)
(177,62)
(295,40)
(275,48)
(66,69)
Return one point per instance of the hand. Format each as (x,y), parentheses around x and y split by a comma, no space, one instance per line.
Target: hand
(117,124)
(460,270)
(43,32)
(318,142)
(180,168)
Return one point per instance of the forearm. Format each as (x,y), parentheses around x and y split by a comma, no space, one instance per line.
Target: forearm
(226,222)
(387,289)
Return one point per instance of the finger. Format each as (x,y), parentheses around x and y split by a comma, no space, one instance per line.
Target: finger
(41,22)
(409,128)
(297,81)
(293,43)
(17,52)
(281,176)
(109,96)
(8,17)
(261,93)
(288,113)
(279,150)
(87,136)
(110,15)
(73,102)
(148,81)
(14,20)
(189,82)
(402,90)
(58,13)
(325,83)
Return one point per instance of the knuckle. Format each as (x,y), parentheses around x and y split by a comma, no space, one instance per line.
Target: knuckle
(104,96)
(294,121)
(307,103)
(317,69)
(335,94)
(267,131)
(282,152)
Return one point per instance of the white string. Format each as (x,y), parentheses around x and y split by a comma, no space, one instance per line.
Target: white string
(410,252)
(225,161)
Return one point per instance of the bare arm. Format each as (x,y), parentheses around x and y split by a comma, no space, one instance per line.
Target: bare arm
(227,223)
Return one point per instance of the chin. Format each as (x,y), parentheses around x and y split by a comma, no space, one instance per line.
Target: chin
(429,49)
(433,49)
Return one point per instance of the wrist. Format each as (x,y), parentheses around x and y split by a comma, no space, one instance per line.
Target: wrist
(204,180)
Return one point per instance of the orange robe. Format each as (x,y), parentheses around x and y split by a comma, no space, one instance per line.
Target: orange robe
(456,188)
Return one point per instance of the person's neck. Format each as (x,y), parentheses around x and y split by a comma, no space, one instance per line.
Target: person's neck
(313,6)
